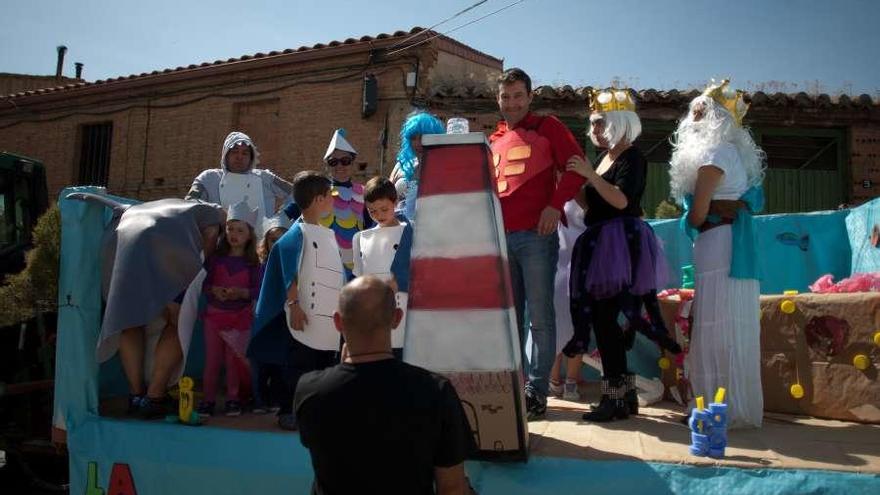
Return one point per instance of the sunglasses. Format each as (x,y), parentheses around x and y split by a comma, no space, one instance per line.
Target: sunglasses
(344,161)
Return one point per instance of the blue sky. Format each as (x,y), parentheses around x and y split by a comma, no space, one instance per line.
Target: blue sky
(788,45)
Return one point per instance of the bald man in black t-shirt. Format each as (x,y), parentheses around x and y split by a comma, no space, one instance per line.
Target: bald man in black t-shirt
(374,424)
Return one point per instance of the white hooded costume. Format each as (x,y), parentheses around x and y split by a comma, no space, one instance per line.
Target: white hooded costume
(259,188)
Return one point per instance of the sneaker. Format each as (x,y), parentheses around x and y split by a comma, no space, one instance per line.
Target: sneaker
(536,408)
(205,408)
(259,410)
(287,422)
(232,408)
(152,408)
(134,403)
(570,391)
(556,389)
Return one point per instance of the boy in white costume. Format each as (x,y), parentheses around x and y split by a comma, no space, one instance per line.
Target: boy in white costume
(384,250)
(301,284)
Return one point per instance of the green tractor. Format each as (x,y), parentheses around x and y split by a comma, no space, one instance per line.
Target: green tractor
(23,198)
(27,349)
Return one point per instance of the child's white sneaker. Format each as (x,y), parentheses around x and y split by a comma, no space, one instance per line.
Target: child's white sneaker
(555,389)
(570,391)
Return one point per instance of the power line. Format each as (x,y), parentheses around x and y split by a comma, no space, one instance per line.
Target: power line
(457,28)
(444,21)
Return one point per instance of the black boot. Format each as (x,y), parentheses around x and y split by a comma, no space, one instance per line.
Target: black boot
(612,405)
(631,397)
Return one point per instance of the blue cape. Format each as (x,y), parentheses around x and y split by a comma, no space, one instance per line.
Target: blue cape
(400,263)
(744,264)
(270,337)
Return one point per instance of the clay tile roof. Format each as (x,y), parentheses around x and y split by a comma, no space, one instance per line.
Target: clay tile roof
(317,46)
(673,96)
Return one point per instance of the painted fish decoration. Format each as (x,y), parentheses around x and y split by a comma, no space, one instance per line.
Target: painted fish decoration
(792,239)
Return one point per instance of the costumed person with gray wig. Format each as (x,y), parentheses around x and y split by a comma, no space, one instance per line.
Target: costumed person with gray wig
(716,173)
(238,179)
(617,264)
(404,176)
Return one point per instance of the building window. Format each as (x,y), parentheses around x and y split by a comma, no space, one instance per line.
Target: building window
(94,155)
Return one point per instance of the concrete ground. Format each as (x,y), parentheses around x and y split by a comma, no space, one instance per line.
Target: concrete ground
(656,434)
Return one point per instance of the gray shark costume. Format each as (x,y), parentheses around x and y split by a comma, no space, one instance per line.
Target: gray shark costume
(259,188)
(151,253)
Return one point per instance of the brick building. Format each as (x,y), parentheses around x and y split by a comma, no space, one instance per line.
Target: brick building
(146,136)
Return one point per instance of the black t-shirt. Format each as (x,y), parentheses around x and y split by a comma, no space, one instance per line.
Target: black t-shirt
(380,427)
(629,173)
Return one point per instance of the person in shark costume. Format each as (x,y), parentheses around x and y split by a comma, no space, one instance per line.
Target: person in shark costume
(239,179)
(152,253)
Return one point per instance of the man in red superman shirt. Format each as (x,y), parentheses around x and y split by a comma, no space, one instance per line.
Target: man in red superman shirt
(531,153)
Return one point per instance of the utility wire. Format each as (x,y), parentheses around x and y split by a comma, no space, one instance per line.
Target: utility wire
(455,29)
(444,21)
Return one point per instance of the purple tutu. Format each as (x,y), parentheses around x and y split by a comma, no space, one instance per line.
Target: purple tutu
(620,255)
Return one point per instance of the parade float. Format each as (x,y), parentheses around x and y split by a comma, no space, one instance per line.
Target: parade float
(820,355)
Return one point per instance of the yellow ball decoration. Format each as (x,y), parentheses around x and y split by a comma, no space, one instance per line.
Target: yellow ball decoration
(664,363)
(877,338)
(796,391)
(787,306)
(861,362)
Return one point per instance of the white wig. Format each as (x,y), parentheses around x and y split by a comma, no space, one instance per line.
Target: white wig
(622,125)
(694,142)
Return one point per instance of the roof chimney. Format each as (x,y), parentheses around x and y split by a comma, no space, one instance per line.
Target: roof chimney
(61,51)
(79,69)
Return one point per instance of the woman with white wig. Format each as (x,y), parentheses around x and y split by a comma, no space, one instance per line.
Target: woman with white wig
(716,173)
(617,264)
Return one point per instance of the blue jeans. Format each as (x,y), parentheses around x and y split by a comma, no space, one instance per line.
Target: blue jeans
(533,259)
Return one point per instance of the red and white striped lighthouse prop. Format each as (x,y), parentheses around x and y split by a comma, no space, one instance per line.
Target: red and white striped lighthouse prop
(461,320)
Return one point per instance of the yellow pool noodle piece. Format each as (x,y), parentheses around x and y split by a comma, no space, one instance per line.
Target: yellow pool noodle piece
(701,404)
(719,395)
(787,306)
(861,362)
(185,407)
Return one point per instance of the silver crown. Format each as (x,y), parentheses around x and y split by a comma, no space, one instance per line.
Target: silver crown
(280,220)
(242,211)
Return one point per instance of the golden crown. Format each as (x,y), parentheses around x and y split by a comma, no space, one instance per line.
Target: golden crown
(611,100)
(730,99)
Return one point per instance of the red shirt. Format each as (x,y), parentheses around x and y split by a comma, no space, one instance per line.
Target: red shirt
(522,209)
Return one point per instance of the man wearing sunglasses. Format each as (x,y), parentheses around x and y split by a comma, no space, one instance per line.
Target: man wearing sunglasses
(238,179)
(349,215)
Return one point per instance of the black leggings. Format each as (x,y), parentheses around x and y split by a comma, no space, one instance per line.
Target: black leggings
(302,359)
(609,336)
